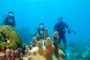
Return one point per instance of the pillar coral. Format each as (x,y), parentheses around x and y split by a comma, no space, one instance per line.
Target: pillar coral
(58,52)
(45,52)
(46,34)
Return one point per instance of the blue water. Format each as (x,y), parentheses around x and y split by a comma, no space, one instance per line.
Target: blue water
(30,13)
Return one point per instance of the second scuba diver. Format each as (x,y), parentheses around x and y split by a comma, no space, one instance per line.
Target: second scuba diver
(40,31)
(60,28)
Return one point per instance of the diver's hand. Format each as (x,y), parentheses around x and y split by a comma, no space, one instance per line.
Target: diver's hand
(69,31)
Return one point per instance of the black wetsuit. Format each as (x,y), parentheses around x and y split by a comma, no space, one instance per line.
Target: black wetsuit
(60,27)
(8,23)
(41,35)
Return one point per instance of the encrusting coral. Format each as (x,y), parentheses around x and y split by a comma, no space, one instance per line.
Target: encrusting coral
(9,38)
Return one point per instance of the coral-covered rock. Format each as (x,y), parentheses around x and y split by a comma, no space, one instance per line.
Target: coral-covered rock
(9,38)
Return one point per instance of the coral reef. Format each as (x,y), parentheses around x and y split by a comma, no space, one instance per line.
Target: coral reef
(78,52)
(88,56)
(9,38)
(39,51)
(11,54)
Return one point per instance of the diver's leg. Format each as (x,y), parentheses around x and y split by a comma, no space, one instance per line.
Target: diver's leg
(65,45)
(64,41)
(59,42)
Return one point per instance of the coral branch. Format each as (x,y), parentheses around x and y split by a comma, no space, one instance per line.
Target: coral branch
(46,34)
(34,41)
(56,37)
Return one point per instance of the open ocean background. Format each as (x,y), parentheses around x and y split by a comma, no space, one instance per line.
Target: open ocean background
(30,13)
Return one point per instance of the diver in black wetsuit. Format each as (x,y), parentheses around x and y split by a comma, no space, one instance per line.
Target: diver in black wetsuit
(10,20)
(60,28)
(40,31)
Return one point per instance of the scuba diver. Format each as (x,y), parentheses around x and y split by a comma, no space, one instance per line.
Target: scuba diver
(40,31)
(60,28)
(9,20)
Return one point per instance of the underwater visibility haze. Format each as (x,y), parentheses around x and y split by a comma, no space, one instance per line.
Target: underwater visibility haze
(30,13)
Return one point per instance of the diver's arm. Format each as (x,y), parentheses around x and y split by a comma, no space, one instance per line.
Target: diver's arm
(32,34)
(69,31)
(66,26)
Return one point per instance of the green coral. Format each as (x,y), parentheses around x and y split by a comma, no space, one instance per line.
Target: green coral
(12,36)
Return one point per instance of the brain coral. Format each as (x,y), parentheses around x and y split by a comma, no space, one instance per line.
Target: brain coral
(9,38)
